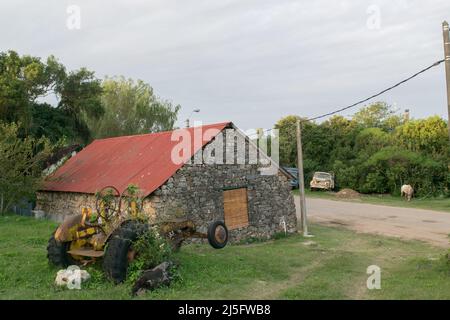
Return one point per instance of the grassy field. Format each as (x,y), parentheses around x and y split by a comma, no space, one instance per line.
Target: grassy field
(332,265)
(439,204)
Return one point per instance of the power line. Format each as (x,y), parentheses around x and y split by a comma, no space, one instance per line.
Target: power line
(367,99)
(260,132)
(378,94)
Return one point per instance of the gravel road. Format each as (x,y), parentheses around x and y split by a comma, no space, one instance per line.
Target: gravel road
(426,225)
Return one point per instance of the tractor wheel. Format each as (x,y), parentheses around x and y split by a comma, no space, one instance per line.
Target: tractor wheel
(118,249)
(217,234)
(57,253)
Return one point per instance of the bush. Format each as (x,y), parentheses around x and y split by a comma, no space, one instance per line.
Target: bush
(375,183)
(374,152)
(391,167)
(21,164)
(151,249)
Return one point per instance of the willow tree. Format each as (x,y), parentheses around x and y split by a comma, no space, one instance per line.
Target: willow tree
(131,107)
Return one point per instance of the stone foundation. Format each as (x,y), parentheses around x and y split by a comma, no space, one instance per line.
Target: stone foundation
(63,203)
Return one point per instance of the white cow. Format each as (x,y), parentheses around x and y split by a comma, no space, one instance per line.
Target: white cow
(407,191)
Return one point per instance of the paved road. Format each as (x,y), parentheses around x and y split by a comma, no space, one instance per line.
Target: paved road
(427,225)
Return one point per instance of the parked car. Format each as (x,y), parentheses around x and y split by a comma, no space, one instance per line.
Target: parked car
(294,173)
(322,180)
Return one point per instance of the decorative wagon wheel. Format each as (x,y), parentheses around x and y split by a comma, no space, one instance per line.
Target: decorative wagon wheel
(108,202)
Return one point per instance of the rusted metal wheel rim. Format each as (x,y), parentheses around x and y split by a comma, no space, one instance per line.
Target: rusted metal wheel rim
(220,234)
(131,255)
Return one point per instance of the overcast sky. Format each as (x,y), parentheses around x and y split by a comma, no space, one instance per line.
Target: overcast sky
(247,61)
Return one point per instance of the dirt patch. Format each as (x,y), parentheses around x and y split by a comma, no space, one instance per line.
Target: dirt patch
(348,194)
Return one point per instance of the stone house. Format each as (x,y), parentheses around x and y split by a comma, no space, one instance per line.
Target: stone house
(203,174)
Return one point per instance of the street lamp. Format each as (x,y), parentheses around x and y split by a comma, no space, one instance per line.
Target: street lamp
(187,120)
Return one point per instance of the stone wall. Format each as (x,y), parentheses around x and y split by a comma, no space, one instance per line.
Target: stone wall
(57,205)
(63,203)
(196,192)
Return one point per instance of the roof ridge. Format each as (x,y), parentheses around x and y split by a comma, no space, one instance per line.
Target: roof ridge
(163,132)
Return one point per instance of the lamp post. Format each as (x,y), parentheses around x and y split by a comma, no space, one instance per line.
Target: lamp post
(187,120)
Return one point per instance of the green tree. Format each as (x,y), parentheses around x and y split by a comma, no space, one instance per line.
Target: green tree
(377,115)
(25,80)
(20,165)
(79,94)
(374,152)
(342,133)
(287,140)
(316,145)
(52,123)
(371,140)
(429,136)
(131,107)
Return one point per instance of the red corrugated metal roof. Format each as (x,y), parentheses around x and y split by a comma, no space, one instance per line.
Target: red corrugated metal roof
(143,160)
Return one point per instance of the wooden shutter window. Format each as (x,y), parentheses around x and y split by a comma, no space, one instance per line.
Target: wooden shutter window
(235,208)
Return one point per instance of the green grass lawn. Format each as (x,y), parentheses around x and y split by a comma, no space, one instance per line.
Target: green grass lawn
(333,266)
(439,204)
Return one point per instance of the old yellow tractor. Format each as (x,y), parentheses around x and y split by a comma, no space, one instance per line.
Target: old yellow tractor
(108,233)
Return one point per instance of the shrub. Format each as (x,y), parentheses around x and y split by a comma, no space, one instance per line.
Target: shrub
(151,249)
(391,167)
(21,163)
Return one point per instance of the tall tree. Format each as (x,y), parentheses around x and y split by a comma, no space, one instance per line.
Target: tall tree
(288,145)
(377,115)
(79,95)
(131,107)
(26,80)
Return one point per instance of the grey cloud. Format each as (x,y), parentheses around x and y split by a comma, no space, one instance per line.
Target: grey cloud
(246,61)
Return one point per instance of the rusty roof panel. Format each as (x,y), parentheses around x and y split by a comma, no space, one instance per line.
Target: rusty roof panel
(143,160)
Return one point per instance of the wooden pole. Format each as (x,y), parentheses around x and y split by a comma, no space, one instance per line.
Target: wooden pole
(445,29)
(301,180)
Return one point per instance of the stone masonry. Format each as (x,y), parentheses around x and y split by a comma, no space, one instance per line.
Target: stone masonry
(196,192)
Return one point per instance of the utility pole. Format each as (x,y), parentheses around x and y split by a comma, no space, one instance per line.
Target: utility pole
(445,29)
(301,180)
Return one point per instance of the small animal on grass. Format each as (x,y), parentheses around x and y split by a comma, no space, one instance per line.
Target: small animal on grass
(407,191)
(153,279)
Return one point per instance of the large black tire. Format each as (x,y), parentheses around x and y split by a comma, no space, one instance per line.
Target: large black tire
(57,253)
(115,260)
(218,241)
